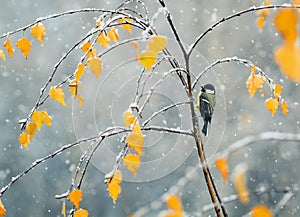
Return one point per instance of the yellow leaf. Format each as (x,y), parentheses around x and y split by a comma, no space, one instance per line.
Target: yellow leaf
(157,43)
(24,45)
(2,209)
(125,24)
(81,213)
(46,118)
(129,118)
(272,105)
(254,82)
(239,181)
(136,139)
(103,40)
(87,48)
(8,46)
(113,185)
(132,163)
(277,90)
(80,100)
(31,128)
(2,55)
(287,57)
(174,203)
(39,32)
(74,86)
(63,209)
(286,23)
(284,107)
(75,197)
(137,49)
(222,166)
(40,117)
(262,14)
(95,65)
(79,71)
(98,23)
(137,129)
(147,59)
(24,140)
(113,34)
(56,93)
(261,211)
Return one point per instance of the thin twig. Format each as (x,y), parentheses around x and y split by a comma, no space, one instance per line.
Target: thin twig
(163,110)
(255,139)
(237,14)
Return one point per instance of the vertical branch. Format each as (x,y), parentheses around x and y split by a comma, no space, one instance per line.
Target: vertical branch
(208,177)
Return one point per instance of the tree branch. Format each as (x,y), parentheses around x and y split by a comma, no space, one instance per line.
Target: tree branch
(212,27)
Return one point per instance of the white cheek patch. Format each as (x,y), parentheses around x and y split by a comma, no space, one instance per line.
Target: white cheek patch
(210,91)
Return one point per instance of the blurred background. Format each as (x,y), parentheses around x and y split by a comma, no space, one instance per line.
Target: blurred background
(166,157)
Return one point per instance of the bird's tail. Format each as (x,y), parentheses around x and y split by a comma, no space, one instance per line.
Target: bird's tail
(204,128)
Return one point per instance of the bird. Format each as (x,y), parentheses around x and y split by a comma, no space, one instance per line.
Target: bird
(206,105)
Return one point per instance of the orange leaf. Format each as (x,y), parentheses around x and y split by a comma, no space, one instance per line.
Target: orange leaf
(157,43)
(40,117)
(2,209)
(75,197)
(113,185)
(272,105)
(286,23)
(173,214)
(222,166)
(261,211)
(132,163)
(125,23)
(103,40)
(129,118)
(56,93)
(79,71)
(113,34)
(24,140)
(277,90)
(284,107)
(2,55)
(8,46)
(95,65)
(39,32)
(31,128)
(287,57)
(254,82)
(147,59)
(81,213)
(174,203)
(63,209)
(24,45)
(239,181)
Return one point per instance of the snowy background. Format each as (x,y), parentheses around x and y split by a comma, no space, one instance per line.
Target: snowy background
(271,165)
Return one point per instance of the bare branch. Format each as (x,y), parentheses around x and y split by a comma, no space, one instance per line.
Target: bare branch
(163,110)
(246,62)
(265,136)
(252,9)
(108,132)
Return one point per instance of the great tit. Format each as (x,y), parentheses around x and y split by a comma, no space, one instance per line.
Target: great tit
(206,104)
